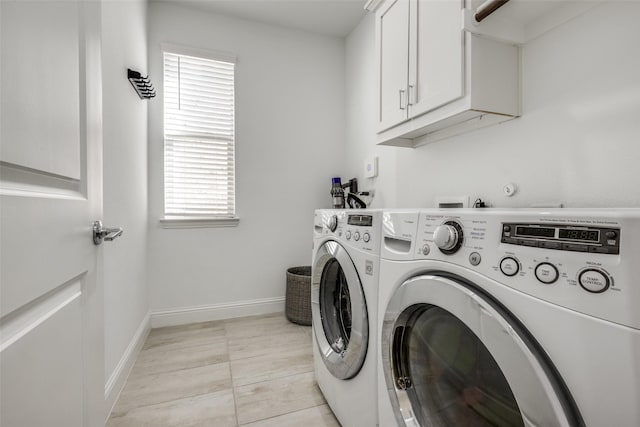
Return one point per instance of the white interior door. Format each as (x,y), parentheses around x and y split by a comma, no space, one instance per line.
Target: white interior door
(51,297)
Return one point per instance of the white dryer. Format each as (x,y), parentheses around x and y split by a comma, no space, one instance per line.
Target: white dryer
(510,318)
(344,301)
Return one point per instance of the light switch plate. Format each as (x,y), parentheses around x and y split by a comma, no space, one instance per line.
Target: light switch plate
(370,167)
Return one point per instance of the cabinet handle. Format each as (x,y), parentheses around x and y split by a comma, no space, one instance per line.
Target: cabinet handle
(411,96)
(402,91)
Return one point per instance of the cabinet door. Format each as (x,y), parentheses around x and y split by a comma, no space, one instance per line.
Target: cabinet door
(436,52)
(392,33)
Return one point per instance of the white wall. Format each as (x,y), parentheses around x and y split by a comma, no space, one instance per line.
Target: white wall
(289,143)
(124,45)
(576,142)
(360,72)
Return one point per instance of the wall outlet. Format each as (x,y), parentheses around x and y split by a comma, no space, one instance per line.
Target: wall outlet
(370,167)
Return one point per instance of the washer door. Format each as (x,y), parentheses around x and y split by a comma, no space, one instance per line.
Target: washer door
(454,357)
(339,311)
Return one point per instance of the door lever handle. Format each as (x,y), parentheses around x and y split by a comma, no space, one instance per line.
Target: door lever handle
(100,233)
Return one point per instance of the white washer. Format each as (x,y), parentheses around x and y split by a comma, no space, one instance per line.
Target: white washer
(344,301)
(510,318)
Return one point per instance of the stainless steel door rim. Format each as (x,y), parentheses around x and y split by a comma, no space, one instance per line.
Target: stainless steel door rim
(540,396)
(343,359)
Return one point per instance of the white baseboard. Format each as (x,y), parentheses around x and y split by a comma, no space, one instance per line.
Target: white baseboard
(118,377)
(205,313)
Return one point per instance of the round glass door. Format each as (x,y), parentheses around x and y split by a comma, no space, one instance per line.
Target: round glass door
(454,380)
(339,311)
(454,357)
(335,306)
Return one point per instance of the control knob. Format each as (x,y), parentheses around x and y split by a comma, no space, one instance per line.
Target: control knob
(448,237)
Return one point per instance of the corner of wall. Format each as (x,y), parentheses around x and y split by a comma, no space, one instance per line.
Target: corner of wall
(118,377)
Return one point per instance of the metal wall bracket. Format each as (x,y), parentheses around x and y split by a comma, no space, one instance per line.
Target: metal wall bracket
(142,85)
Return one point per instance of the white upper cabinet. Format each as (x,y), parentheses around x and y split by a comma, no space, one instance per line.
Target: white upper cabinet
(436,54)
(436,79)
(393,22)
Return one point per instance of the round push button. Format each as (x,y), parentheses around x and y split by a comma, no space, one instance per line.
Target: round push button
(426,250)
(475,258)
(594,281)
(366,237)
(356,236)
(509,266)
(546,273)
(348,235)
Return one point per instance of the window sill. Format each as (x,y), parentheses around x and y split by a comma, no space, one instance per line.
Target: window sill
(184,222)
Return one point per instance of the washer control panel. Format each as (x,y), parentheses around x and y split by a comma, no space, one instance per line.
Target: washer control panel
(574,258)
(602,240)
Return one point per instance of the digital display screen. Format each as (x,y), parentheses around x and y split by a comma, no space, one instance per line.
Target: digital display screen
(360,220)
(535,231)
(588,235)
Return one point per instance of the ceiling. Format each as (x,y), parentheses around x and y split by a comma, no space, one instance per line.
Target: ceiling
(329,17)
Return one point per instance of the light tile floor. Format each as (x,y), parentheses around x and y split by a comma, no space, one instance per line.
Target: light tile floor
(253,371)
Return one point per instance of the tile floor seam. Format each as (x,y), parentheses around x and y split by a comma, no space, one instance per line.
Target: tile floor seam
(238,359)
(159,347)
(139,376)
(182,397)
(169,401)
(233,389)
(281,415)
(270,379)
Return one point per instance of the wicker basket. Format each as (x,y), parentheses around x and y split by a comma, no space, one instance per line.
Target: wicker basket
(298,296)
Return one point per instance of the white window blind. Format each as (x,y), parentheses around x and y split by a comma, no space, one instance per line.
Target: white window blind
(199,177)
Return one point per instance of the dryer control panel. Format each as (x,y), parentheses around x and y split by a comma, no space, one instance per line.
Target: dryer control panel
(358,228)
(362,231)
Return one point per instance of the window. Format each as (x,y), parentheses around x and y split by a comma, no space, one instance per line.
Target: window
(199,177)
